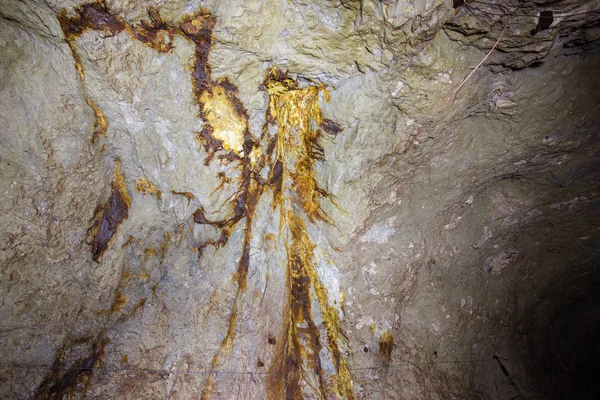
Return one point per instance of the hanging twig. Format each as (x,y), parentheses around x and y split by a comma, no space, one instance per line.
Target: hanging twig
(453,94)
(481,62)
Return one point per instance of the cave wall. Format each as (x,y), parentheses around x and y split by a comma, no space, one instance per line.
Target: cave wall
(298,199)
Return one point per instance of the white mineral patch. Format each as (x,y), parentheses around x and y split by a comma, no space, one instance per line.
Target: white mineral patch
(380,232)
(328,274)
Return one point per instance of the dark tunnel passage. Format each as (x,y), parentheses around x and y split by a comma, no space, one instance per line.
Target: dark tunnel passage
(559,338)
(552,344)
(513,291)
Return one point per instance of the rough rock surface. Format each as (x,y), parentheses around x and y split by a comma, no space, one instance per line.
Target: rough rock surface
(298,199)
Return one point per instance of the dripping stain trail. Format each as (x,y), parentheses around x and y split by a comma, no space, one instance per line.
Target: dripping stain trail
(215,137)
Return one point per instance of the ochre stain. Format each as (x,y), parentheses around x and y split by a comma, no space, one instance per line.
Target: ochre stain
(386,345)
(295,111)
(289,157)
(109,216)
(228,126)
(126,277)
(119,302)
(165,244)
(189,196)
(149,253)
(76,380)
(100,124)
(139,306)
(144,186)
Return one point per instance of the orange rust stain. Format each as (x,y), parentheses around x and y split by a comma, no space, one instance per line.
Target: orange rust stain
(165,244)
(144,275)
(109,216)
(386,345)
(296,112)
(75,381)
(125,359)
(238,143)
(119,302)
(300,125)
(149,253)
(299,345)
(228,127)
(139,306)
(224,180)
(144,186)
(129,241)
(89,16)
(299,348)
(187,195)
(156,34)
(294,109)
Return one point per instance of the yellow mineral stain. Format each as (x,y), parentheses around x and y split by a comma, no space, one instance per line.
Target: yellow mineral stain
(165,244)
(144,275)
(118,183)
(341,382)
(144,186)
(187,195)
(270,239)
(139,306)
(149,253)
(71,42)
(126,277)
(119,302)
(229,127)
(297,113)
(386,345)
(326,95)
(100,125)
(226,344)
(255,155)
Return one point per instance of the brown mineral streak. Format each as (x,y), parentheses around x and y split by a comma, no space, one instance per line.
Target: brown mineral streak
(93,16)
(386,345)
(109,216)
(295,111)
(119,302)
(144,186)
(96,16)
(58,387)
(187,195)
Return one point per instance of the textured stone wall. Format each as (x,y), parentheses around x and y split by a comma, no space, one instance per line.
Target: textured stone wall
(287,199)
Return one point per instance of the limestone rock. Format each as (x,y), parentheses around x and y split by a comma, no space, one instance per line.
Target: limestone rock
(296,199)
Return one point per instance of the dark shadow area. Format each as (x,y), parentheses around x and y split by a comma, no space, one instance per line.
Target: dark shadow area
(559,338)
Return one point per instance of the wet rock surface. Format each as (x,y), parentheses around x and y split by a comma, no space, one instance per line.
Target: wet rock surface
(297,199)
